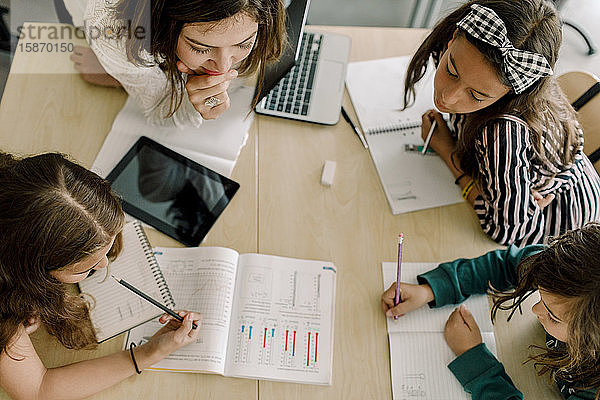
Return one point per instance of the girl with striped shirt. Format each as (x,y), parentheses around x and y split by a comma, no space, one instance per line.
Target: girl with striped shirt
(512,141)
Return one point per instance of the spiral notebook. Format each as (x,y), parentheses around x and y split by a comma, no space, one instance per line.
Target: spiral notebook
(114,309)
(410,180)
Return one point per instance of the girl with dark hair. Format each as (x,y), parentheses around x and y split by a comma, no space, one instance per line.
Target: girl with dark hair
(513,141)
(567,277)
(178,58)
(59,223)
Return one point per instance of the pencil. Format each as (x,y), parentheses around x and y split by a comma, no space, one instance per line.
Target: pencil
(428,139)
(397,299)
(151,300)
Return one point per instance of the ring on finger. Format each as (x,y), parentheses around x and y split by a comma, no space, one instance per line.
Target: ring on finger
(212,101)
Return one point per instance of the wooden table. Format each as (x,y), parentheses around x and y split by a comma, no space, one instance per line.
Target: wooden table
(280,209)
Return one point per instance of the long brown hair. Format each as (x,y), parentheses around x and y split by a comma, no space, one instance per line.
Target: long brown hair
(532,25)
(53,213)
(567,268)
(166,19)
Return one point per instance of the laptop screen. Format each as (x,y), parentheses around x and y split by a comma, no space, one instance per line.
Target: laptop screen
(297,11)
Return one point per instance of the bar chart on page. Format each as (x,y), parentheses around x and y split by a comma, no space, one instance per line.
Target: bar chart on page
(282,321)
(279,325)
(285,344)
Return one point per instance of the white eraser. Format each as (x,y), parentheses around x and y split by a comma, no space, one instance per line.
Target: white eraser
(328,173)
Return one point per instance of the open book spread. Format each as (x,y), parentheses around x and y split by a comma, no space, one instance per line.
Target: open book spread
(263,317)
(419,355)
(411,181)
(216,144)
(114,308)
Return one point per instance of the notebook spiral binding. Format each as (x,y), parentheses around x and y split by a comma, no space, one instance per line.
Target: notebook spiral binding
(394,127)
(156,272)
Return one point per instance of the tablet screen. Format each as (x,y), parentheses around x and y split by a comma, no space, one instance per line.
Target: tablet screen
(170,192)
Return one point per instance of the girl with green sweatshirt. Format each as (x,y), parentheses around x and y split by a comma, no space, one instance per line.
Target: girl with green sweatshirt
(566,273)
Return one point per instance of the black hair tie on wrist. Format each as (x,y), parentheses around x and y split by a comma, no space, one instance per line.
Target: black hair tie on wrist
(457,180)
(131,346)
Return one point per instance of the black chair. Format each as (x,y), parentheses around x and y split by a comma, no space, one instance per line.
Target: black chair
(5,36)
(8,41)
(586,37)
(62,13)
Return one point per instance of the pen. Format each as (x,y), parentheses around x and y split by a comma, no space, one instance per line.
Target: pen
(360,135)
(428,139)
(151,300)
(397,299)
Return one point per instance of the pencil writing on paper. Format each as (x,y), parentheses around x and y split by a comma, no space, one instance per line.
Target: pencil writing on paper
(151,300)
(428,139)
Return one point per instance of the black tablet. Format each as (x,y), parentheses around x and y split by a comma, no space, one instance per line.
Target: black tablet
(170,192)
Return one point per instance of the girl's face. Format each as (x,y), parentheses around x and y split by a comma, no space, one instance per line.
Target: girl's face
(214,48)
(78,271)
(552,312)
(465,81)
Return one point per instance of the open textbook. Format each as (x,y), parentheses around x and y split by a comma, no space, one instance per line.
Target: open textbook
(419,355)
(114,308)
(216,144)
(263,317)
(410,180)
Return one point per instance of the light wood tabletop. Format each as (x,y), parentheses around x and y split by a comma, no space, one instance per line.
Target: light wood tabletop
(280,209)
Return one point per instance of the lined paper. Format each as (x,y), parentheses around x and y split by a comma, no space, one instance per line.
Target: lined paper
(419,354)
(427,319)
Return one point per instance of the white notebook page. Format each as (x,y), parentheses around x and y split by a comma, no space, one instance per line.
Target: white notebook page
(410,180)
(376,88)
(419,354)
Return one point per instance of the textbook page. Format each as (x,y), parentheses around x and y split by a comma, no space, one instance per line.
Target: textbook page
(201,279)
(216,144)
(283,319)
(419,355)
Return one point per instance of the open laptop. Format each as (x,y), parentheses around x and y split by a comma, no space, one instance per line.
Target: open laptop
(307,82)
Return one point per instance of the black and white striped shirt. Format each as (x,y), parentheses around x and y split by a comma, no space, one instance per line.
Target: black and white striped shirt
(510,170)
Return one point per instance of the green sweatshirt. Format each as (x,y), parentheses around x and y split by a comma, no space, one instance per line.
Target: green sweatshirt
(478,370)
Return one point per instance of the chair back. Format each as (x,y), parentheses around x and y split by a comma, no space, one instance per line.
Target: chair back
(583,91)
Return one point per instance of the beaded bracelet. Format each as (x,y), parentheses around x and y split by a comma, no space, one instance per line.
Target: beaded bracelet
(467,189)
(131,346)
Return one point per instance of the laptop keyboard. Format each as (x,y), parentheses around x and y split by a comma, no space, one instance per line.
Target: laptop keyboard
(292,94)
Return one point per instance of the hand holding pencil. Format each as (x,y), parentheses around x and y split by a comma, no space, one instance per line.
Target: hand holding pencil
(436,134)
(181,329)
(174,334)
(412,296)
